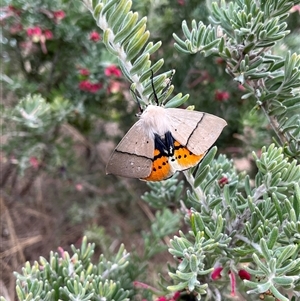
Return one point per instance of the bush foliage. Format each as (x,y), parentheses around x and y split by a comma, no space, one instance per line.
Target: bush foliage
(69,67)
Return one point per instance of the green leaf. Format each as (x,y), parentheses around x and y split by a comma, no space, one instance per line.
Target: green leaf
(140,64)
(277,294)
(286,252)
(201,175)
(221,44)
(155,68)
(134,49)
(194,263)
(177,101)
(186,30)
(129,22)
(264,249)
(106,41)
(118,15)
(178,287)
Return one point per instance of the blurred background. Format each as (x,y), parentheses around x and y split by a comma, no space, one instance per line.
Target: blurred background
(55,146)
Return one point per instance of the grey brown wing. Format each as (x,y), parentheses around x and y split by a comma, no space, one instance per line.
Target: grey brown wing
(197,131)
(133,156)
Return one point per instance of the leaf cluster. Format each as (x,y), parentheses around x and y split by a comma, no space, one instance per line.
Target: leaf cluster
(73,277)
(37,123)
(126,37)
(243,34)
(237,224)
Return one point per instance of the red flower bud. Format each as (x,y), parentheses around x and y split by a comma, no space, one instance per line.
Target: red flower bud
(34,31)
(34,162)
(87,86)
(114,87)
(176,296)
(162,298)
(219,61)
(94,36)
(244,274)
(223,181)
(221,95)
(59,15)
(216,273)
(84,72)
(112,71)
(48,34)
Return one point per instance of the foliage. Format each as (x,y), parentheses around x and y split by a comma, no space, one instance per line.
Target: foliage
(241,235)
(126,38)
(73,277)
(239,227)
(244,35)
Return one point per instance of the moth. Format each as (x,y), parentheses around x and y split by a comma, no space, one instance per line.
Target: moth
(163,141)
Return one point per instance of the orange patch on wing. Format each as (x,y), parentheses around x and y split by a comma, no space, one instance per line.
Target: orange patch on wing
(160,168)
(184,157)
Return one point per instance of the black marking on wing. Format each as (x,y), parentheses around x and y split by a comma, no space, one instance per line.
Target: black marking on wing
(118,151)
(164,145)
(187,142)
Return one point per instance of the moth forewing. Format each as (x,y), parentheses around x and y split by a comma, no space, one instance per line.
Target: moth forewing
(205,134)
(129,165)
(196,130)
(182,124)
(133,155)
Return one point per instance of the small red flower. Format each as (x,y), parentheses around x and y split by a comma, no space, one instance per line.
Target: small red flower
(59,15)
(94,36)
(244,274)
(84,72)
(295,8)
(162,298)
(181,2)
(223,181)
(176,296)
(219,61)
(87,86)
(112,71)
(95,87)
(114,87)
(79,187)
(216,273)
(221,95)
(241,87)
(48,34)
(34,31)
(84,85)
(34,162)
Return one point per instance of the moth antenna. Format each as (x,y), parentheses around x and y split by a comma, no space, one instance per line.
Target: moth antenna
(153,88)
(137,101)
(165,89)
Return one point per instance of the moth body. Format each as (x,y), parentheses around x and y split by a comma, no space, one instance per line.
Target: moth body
(154,120)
